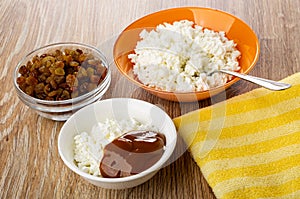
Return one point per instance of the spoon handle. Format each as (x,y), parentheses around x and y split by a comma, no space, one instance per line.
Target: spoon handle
(269,84)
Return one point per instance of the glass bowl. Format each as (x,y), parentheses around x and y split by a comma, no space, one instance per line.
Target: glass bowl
(62,109)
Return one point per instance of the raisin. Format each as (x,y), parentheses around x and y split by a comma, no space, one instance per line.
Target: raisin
(59,71)
(23,70)
(31,81)
(61,74)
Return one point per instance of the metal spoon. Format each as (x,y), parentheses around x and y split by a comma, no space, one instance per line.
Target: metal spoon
(269,84)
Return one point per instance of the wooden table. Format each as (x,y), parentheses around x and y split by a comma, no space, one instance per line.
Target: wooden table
(30,164)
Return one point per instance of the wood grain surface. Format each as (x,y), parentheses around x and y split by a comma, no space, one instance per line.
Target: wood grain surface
(30,164)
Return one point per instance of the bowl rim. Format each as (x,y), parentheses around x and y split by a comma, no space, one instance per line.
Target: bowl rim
(154,168)
(25,96)
(212,90)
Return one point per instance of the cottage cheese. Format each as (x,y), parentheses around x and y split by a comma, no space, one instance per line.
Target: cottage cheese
(88,147)
(183,57)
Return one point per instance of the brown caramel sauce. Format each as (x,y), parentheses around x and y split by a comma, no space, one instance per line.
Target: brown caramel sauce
(132,153)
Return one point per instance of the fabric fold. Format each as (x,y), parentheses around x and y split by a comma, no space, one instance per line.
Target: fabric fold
(248,146)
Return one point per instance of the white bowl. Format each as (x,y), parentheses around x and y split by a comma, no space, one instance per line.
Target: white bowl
(118,109)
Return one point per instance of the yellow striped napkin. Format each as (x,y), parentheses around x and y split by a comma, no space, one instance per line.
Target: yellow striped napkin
(249,145)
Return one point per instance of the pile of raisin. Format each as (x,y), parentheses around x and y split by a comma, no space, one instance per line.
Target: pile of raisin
(61,75)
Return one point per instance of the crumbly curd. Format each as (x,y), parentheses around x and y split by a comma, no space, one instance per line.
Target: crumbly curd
(88,146)
(183,57)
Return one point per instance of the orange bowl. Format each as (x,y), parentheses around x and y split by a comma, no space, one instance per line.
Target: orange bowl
(234,28)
